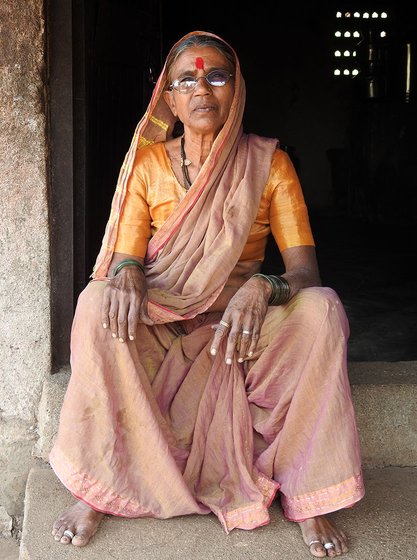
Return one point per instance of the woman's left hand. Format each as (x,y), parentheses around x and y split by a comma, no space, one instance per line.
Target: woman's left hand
(242,320)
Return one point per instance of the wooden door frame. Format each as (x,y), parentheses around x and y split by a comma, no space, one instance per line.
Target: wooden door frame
(67,186)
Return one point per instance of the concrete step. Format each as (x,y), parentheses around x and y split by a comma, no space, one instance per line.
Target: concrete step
(9,549)
(384,395)
(380,527)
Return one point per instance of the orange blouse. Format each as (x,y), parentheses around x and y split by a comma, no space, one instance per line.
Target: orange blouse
(153,192)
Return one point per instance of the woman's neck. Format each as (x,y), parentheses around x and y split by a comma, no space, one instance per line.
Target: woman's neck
(197,147)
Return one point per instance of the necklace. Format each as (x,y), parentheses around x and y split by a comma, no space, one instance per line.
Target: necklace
(184,164)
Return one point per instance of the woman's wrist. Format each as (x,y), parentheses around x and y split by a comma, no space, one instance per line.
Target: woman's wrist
(279,292)
(265,283)
(128,263)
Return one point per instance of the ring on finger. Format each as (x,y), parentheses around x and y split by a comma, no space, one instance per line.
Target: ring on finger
(224,324)
(246,331)
(328,545)
(68,533)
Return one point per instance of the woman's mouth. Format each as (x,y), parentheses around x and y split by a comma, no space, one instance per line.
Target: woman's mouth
(205,108)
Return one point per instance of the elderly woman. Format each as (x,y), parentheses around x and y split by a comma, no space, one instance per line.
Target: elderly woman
(199,384)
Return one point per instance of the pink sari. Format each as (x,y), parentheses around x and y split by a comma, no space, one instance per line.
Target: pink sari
(157,426)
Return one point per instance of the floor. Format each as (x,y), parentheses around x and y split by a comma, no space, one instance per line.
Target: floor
(371,268)
(379,527)
(9,549)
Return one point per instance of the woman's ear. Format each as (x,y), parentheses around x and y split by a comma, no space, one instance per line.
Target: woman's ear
(169,100)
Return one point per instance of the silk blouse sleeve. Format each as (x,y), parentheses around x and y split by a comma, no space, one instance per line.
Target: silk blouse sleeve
(135,221)
(288,213)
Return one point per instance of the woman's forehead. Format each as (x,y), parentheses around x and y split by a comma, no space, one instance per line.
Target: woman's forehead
(199,58)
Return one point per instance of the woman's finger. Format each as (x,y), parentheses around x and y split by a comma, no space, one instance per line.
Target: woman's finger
(245,339)
(232,341)
(132,320)
(113,316)
(122,321)
(254,340)
(105,309)
(220,333)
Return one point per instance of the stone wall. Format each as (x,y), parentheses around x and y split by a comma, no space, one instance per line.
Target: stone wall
(24,245)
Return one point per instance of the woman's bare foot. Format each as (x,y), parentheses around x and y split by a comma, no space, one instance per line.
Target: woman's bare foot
(80,520)
(318,531)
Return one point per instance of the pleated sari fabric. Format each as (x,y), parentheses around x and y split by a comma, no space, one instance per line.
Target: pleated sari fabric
(159,427)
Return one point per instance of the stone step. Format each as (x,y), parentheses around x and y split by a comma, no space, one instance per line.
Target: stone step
(380,527)
(384,395)
(9,549)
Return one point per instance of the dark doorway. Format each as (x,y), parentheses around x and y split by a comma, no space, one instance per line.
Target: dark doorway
(120,58)
(354,154)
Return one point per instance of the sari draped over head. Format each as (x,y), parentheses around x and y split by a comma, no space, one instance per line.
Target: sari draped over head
(191,256)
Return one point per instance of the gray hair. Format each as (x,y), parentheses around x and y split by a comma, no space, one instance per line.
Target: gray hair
(199,41)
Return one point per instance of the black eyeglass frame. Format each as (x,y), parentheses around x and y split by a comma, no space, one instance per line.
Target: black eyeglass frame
(176,83)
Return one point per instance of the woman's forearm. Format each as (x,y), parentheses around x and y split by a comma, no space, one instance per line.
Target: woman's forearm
(301,278)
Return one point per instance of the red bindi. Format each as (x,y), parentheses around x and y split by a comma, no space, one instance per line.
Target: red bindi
(199,63)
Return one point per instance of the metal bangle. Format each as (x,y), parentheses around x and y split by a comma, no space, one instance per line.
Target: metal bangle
(127,262)
(280,289)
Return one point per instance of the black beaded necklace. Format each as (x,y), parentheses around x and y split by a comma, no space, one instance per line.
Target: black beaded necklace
(184,164)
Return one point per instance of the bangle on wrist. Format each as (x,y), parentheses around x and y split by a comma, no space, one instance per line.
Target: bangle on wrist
(280,289)
(127,262)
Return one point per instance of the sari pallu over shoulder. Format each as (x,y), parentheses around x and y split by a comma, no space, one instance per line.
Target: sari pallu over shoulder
(192,255)
(190,269)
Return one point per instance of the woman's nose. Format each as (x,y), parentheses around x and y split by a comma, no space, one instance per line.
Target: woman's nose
(202,85)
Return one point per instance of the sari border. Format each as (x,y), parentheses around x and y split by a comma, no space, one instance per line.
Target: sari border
(323,501)
(254,515)
(81,487)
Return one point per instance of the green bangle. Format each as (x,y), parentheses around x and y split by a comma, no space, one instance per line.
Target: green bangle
(127,262)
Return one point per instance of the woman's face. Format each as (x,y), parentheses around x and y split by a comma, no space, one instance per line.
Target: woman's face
(205,109)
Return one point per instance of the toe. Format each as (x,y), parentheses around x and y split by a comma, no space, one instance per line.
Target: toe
(65,539)
(337,546)
(81,538)
(56,527)
(318,550)
(343,540)
(59,532)
(331,553)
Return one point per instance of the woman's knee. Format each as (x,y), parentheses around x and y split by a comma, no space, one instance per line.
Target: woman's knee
(90,301)
(319,296)
(325,302)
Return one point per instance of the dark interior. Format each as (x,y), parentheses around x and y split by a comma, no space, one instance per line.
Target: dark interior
(351,139)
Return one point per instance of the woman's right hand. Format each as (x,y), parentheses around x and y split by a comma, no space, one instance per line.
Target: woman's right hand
(125,302)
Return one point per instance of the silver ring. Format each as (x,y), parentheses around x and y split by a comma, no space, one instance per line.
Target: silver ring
(313,542)
(328,545)
(245,331)
(224,324)
(69,534)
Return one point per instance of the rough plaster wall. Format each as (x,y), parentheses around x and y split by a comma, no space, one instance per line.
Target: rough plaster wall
(24,243)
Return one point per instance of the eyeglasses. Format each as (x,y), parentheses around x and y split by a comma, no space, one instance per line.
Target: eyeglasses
(216,78)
